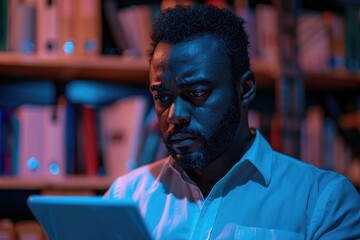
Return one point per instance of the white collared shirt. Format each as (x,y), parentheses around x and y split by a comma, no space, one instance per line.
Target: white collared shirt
(266,195)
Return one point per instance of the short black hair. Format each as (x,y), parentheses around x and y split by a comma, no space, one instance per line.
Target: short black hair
(185,23)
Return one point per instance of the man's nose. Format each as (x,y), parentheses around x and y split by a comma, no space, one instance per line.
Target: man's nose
(179,113)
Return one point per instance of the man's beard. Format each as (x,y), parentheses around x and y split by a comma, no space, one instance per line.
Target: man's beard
(214,143)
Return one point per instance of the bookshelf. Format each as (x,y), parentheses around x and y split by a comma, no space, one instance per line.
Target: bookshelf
(118,69)
(68,183)
(332,80)
(127,70)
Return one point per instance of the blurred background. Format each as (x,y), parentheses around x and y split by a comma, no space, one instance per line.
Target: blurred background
(75,110)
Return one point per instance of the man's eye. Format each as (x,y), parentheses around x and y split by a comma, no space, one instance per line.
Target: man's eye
(162,98)
(196,94)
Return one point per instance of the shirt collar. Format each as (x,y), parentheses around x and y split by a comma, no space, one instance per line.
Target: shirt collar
(259,155)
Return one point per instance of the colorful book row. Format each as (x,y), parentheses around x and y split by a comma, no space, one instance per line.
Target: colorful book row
(67,138)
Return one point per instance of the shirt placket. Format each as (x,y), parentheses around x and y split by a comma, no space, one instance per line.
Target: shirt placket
(208,213)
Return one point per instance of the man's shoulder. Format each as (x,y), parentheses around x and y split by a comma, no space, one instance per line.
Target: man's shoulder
(139,179)
(152,169)
(305,172)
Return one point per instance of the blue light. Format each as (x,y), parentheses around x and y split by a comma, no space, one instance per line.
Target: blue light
(90,46)
(28,47)
(69,47)
(33,164)
(54,168)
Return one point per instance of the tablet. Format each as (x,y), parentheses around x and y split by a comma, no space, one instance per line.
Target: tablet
(88,217)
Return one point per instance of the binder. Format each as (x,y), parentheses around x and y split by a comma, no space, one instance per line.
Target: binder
(121,125)
(47,27)
(53,142)
(67,37)
(88,27)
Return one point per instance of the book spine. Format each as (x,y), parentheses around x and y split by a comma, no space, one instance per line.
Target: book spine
(88,38)
(53,151)
(47,28)
(23,27)
(3,25)
(352,13)
(89,135)
(66,27)
(30,145)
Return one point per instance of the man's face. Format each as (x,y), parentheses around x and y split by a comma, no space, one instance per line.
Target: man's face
(195,100)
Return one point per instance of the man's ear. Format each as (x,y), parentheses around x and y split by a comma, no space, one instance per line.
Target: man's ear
(246,87)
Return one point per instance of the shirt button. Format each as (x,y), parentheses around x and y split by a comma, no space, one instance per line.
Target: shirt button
(195,193)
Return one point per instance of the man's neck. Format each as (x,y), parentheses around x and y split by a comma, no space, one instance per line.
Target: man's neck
(207,177)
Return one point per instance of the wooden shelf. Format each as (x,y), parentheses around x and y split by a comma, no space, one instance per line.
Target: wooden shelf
(333,80)
(104,68)
(135,71)
(65,183)
(350,120)
(107,68)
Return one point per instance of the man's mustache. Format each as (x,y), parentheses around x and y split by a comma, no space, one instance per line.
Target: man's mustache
(181,130)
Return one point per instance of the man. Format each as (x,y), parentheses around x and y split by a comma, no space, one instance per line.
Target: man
(222,180)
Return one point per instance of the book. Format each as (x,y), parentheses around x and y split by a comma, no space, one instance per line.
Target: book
(22,26)
(342,155)
(79,128)
(329,142)
(28,230)
(110,12)
(15,142)
(267,34)
(70,138)
(313,42)
(136,23)
(151,148)
(41,141)
(90,140)
(4,22)
(67,28)
(242,10)
(352,38)
(7,229)
(30,141)
(335,26)
(53,142)
(275,132)
(121,124)
(16,93)
(87,26)
(3,139)
(312,136)
(99,93)
(47,32)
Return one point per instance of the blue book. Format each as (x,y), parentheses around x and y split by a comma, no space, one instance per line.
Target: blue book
(70,138)
(14,94)
(3,139)
(15,143)
(99,93)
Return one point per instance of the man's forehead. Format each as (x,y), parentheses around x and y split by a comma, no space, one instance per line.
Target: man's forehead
(187,59)
(190,49)
(162,53)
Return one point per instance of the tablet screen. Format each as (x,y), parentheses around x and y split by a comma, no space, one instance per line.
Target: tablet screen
(88,217)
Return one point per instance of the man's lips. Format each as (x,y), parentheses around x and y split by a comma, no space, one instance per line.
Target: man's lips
(181,139)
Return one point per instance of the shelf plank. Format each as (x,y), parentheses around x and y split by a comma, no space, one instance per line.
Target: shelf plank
(107,68)
(333,80)
(65,183)
(129,70)
(350,120)
(120,69)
